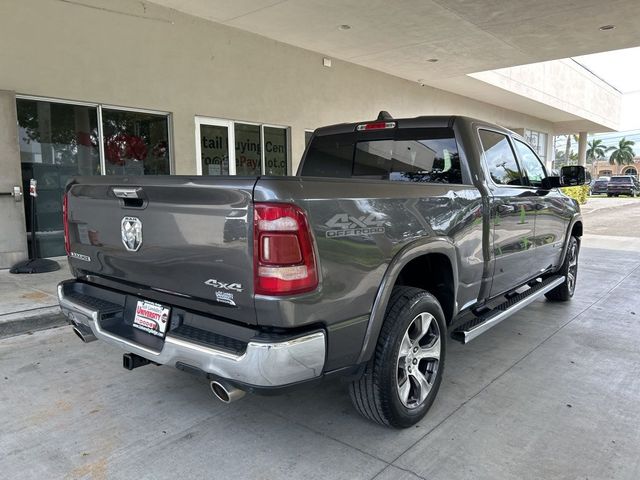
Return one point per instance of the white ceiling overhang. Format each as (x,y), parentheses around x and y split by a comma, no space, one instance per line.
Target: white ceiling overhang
(403,37)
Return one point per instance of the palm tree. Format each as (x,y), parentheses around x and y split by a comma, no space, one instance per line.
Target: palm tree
(622,154)
(596,149)
(568,153)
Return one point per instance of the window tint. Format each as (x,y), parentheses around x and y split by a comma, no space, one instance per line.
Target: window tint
(330,156)
(431,160)
(500,159)
(531,164)
(411,155)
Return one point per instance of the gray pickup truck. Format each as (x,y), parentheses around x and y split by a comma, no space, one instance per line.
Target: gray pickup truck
(394,236)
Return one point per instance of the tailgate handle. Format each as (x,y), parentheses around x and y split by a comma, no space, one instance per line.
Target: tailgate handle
(122,192)
(132,197)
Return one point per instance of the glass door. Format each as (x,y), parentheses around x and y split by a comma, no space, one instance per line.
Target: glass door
(57,141)
(214,141)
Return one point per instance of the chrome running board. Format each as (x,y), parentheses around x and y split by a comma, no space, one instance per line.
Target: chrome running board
(481,324)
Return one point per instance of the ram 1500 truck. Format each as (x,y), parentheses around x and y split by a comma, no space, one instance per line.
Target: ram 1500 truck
(394,236)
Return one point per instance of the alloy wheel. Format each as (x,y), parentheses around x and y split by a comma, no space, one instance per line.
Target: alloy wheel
(418,360)
(572,271)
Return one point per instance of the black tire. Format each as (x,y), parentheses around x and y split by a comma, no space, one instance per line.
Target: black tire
(377,393)
(569,269)
(609,194)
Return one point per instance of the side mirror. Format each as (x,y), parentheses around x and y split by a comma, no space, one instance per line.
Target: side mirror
(572,175)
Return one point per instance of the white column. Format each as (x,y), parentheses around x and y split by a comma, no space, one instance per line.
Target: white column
(582,149)
(13,235)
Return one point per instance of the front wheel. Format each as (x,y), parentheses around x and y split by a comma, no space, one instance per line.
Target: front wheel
(569,269)
(401,381)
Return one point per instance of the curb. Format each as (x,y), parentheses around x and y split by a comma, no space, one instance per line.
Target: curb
(23,322)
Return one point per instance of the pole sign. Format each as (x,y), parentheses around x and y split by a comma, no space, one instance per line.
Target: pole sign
(33,185)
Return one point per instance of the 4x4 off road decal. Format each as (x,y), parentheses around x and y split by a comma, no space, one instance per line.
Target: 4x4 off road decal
(224,297)
(344,225)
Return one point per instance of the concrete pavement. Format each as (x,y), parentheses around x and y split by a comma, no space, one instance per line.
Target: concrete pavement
(28,302)
(550,393)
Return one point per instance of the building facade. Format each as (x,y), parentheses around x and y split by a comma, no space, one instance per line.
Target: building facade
(601,168)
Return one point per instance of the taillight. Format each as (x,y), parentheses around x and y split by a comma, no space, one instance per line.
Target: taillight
(65,222)
(284,260)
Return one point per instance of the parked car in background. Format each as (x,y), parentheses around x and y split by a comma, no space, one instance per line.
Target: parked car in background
(623,185)
(599,186)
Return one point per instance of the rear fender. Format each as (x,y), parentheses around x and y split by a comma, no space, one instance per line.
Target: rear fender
(417,249)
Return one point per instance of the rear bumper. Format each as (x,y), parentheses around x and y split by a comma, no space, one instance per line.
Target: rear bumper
(261,364)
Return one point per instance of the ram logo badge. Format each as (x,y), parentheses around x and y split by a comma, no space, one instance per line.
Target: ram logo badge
(131,231)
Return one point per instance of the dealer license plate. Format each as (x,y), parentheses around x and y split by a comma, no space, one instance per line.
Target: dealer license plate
(152,318)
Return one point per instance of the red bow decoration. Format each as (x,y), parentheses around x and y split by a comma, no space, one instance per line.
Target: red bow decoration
(118,148)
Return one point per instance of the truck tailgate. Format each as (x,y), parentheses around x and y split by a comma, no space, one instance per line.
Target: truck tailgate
(190,237)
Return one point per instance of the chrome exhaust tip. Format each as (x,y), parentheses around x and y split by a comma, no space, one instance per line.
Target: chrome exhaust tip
(84,333)
(225,392)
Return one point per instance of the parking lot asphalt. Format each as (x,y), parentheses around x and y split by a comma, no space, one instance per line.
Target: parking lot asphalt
(552,392)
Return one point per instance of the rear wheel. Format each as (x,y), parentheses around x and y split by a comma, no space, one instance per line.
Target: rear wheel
(569,269)
(401,381)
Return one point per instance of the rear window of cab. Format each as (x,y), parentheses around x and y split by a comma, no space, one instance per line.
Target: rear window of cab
(621,180)
(427,155)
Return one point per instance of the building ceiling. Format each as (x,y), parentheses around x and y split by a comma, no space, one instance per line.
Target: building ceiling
(403,37)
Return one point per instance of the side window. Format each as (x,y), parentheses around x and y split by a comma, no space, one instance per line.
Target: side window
(531,163)
(500,158)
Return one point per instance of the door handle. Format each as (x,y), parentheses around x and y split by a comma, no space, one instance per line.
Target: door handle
(506,209)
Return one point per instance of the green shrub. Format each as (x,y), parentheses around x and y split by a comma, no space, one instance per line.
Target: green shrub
(579,193)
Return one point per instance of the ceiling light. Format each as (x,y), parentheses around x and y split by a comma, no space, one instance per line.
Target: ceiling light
(344,27)
(432,60)
(607,27)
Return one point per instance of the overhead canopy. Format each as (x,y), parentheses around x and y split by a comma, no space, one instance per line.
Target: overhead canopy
(430,41)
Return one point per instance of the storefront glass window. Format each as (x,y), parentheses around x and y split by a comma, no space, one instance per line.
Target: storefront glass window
(227,147)
(57,141)
(214,147)
(248,158)
(275,151)
(135,143)
(61,140)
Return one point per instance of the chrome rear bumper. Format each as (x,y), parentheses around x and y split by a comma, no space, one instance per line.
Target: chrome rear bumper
(262,364)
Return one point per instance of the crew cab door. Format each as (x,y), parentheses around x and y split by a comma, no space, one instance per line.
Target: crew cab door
(512,213)
(552,215)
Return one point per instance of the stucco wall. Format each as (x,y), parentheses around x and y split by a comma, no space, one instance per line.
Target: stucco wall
(562,84)
(135,54)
